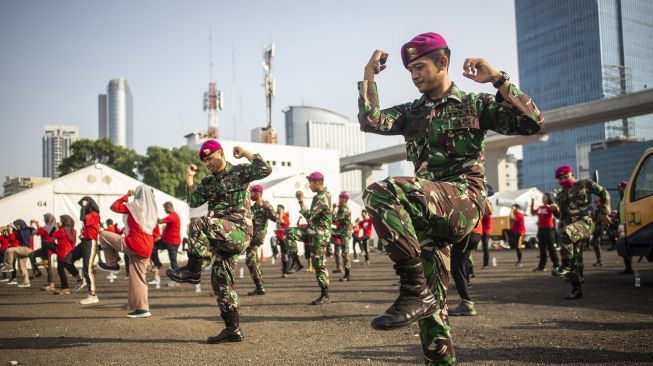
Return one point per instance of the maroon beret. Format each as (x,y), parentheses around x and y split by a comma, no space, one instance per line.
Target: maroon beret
(421,45)
(344,195)
(315,176)
(562,169)
(209,147)
(256,188)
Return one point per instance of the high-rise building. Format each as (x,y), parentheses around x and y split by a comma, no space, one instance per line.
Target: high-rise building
(572,52)
(56,147)
(321,128)
(115,114)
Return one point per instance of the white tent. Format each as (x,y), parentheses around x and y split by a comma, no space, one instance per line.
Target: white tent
(61,195)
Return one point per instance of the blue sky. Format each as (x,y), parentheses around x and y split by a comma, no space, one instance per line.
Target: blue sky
(57,56)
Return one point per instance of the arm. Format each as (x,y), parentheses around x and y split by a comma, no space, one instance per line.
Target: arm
(533,210)
(258,169)
(602,193)
(119,205)
(270,213)
(370,116)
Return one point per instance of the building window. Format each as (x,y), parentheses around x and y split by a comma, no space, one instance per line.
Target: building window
(288,163)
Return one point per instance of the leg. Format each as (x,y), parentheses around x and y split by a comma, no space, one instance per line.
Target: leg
(111,244)
(23,254)
(365,248)
(63,277)
(486,250)
(137,295)
(251,259)
(596,245)
(172,255)
(337,252)
(345,257)
(156,262)
(319,266)
(542,245)
(202,230)
(89,248)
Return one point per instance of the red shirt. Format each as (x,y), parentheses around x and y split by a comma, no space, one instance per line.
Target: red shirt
(479,227)
(285,223)
(544,216)
(13,242)
(172,231)
(91,226)
(45,236)
(137,241)
(366,225)
(4,243)
(486,221)
(114,229)
(518,226)
(64,245)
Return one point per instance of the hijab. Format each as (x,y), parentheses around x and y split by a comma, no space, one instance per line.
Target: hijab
(91,206)
(143,209)
(68,225)
(50,220)
(23,232)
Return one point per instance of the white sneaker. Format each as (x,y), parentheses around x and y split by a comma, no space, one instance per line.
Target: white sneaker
(156,280)
(90,299)
(79,286)
(12,282)
(4,280)
(356,260)
(24,285)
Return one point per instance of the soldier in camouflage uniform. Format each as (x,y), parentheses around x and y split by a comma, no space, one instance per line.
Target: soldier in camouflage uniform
(319,219)
(417,217)
(573,208)
(261,212)
(224,232)
(291,236)
(343,233)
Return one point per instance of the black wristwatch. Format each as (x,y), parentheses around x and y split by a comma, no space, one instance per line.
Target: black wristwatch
(503,79)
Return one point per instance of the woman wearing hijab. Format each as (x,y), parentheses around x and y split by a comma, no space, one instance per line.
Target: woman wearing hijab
(47,247)
(65,237)
(141,223)
(23,235)
(7,240)
(87,248)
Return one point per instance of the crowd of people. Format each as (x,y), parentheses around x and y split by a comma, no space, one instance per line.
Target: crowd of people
(427,223)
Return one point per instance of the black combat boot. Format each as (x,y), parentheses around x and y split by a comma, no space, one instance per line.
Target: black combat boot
(190,273)
(260,290)
(576,290)
(324,298)
(346,277)
(231,332)
(415,300)
(296,264)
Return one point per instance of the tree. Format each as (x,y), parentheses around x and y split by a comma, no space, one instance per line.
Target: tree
(165,169)
(85,152)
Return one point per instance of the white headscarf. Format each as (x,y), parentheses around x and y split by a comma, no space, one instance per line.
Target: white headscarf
(143,209)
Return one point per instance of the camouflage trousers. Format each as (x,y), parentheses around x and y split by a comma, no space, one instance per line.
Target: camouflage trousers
(416,217)
(342,250)
(223,241)
(251,257)
(318,248)
(571,238)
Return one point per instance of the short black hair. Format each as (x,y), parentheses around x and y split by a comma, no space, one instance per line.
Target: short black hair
(437,54)
(167,204)
(109,222)
(282,206)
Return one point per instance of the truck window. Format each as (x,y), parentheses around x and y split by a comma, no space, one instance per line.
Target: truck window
(644,180)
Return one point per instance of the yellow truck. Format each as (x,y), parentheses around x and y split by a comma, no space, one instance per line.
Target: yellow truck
(636,211)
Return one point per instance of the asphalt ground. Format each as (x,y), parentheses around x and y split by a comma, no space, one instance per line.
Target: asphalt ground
(523,320)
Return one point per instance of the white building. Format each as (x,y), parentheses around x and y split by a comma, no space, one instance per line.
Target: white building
(56,147)
(115,114)
(321,128)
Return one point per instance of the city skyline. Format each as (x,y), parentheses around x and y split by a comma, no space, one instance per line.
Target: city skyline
(57,56)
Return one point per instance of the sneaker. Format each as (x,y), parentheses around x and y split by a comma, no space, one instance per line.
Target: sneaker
(356,260)
(6,269)
(155,281)
(107,268)
(80,285)
(598,264)
(173,283)
(62,291)
(139,314)
(519,264)
(465,308)
(90,299)
(44,263)
(12,282)
(4,280)
(538,269)
(24,285)
(49,287)
(284,275)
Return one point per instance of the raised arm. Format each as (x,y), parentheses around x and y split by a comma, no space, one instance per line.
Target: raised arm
(195,196)
(258,169)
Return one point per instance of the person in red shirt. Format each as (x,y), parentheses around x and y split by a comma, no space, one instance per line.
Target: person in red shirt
(365,224)
(486,223)
(47,247)
(517,231)
(545,232)
(283,222)
(87,248)
(4,245)
(23,235)
(142,217)
(170,240)
(65,237)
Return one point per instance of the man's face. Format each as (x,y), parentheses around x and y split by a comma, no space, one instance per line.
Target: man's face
(168,208)
(342,201)
(566,179)
(314,185)
(254,196)
(215,162)
(364,214)
(425,74)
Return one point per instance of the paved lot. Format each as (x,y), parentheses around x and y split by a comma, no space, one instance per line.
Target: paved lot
(523,320)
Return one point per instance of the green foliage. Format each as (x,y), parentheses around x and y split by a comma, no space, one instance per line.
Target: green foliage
(161,168)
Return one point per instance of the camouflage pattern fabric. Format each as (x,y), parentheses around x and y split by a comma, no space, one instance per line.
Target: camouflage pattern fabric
(225,231)
(291,236)
(261,213)
(442,203)
(319,230)
(343,232)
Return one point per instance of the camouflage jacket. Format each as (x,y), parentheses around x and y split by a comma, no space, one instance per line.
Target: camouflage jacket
(261,213)
(319,216)
(445,137)
(227,192)
(343,220)
(575,203)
